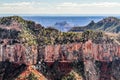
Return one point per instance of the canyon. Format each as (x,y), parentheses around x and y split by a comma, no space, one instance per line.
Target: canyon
(27,47)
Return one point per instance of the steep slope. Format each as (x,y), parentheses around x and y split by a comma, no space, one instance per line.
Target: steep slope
(109,24)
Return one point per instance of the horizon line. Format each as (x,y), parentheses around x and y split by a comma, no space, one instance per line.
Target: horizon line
(59,14)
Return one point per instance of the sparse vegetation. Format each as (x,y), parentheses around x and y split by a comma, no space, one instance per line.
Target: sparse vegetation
(27,37)
(70,76)
(8,20)
(52,36)
(32,76)
(95,36)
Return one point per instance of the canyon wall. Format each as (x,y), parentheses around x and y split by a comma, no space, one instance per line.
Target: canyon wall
(101,61)
(18,53)
(70,52)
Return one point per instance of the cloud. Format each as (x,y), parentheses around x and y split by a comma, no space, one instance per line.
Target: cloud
(100,4)
(60,8)
(68,4)
(22,8)
(90,8)
(17,4)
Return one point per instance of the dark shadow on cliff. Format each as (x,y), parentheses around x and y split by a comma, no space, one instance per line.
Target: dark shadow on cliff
(109,70)
(10,71)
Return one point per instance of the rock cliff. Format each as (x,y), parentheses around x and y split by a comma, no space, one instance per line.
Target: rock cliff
(101,61)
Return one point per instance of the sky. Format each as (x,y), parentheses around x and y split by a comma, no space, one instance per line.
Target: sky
(63,7)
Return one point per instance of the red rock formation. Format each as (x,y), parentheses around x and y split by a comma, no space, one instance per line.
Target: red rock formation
(68,52)
(88,51)
(100,52)
(18,53)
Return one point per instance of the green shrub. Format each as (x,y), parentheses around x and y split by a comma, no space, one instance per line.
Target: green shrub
(93,35)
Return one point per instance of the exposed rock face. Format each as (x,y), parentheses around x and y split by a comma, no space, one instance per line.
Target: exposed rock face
(70,52)
(107,55)
(90,69)
(62,52)
(101,61)
(18,53)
